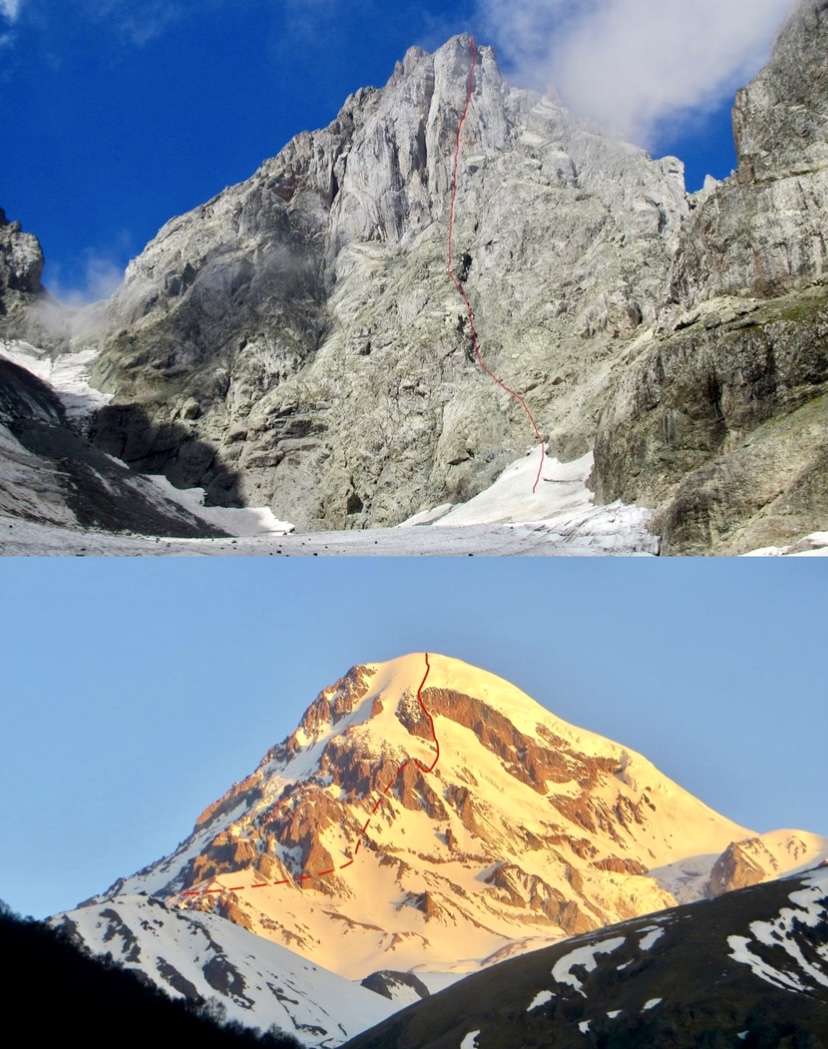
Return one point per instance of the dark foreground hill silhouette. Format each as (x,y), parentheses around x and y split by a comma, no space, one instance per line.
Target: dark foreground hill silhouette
(62,992)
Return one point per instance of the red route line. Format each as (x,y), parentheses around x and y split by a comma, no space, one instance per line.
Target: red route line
(460,287)
(332,870)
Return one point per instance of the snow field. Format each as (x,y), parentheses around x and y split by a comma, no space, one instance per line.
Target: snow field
(280,986)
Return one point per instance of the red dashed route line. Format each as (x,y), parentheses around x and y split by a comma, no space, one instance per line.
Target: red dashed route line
(458,285)
(310,875)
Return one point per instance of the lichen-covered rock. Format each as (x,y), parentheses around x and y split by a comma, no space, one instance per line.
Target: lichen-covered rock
(720,419)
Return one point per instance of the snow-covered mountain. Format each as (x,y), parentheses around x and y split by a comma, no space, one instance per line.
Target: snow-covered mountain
(256,982)
(435,818)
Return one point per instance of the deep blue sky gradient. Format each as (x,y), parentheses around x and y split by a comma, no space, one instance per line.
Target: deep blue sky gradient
(106,138)
(135,692)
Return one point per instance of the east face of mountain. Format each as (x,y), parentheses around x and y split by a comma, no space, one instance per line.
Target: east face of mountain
(528,830)
(747,969)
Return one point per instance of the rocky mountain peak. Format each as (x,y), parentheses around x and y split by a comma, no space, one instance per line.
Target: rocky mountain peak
(296,341)
(395,178)
(780,120)
(21,267)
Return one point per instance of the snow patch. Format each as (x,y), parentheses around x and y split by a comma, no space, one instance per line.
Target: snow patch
(67,374)
(585,956)
(437,981)
(562,508)
(614,1014)
(813,545)
(652,936)
(470,1041)
(583,1026)
(541,998)
(651,1004)
(810,910)
(243,521)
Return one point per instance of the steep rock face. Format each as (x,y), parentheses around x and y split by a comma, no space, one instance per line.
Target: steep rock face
(764,231)
(742,864)
(27,311)
(343,846)
(720,419)
(296,341)
(21,266)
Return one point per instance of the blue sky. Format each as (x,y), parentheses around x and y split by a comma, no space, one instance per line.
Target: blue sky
(135,692)
(117,115)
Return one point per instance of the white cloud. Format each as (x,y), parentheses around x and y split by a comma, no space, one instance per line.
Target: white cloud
(635,64)
(101,276)
(9,9)
(138,20)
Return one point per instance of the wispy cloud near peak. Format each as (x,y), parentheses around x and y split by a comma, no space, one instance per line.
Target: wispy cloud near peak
(636,65)
(139,21)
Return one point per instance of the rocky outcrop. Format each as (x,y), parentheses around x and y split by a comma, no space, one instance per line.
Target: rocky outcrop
(743,863)
(296,341)
(27,311)
(763,232)
(50,474)
(719,420)
(21,267)
(388,983)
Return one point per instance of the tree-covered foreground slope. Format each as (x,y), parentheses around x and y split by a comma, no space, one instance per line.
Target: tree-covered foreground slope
(53,991)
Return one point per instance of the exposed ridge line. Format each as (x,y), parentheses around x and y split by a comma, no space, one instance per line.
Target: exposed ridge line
(310,875)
